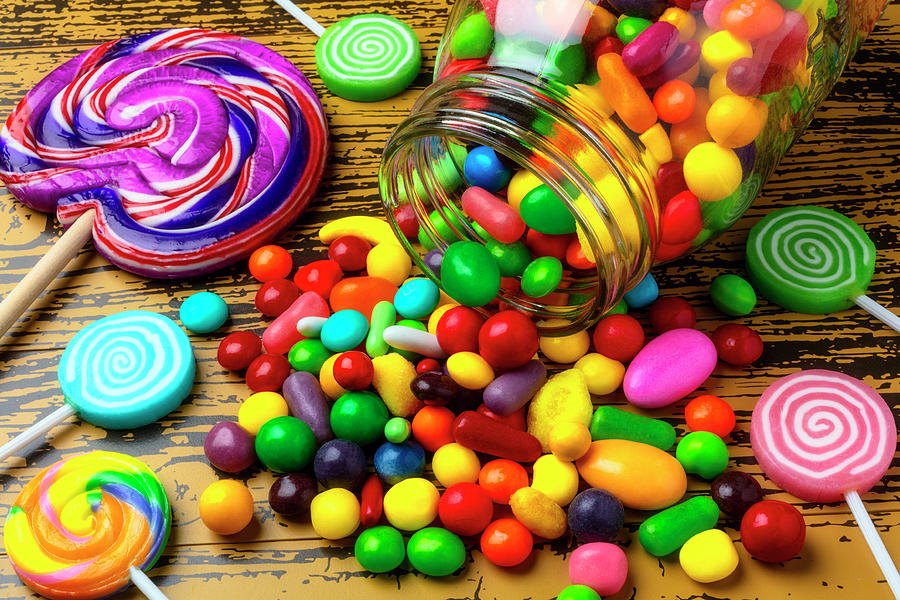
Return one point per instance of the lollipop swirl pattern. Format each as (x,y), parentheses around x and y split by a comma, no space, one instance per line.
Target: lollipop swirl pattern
(76,528)
(194,146)
(369,47)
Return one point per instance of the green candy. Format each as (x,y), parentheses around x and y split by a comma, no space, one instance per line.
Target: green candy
(611,423)
(397,430)
(469,274)
(473,38)
(435,551)
(702,453)
(309,355)
(285,444)
(543,211)
(511,258)
(619,309)
(568,63)
(668,530)
(367,58)
(732,295)
(542,276)
(631,27)
(578,592)
(440,222)
(519,53)
(383,316)
(380,549)
(359,417)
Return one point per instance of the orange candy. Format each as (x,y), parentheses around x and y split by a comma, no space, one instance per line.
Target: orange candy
(361,293)
(752,19)
(709,413)
(674,101)
(432,427)
(692,131)
(625,93)
(500,478)
(270,262)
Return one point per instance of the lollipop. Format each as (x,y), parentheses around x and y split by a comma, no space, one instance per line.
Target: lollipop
(814,260)
(179,151)
(88,525)
(823,436)
(121,372)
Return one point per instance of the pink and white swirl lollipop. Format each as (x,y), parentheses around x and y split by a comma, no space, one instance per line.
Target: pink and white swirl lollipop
(824,436)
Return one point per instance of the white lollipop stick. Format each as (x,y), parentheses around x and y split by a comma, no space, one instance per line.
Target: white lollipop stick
(36,431)
(143,583)
(876,545)
(296,12)
(878,311)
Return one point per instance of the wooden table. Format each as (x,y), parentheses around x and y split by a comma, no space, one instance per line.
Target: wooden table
(847,161)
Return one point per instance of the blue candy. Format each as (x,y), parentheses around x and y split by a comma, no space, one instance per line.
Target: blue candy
(643,294)
(344,330)
(483,169)
(396,462)
(203,312)
(341,463)
(417,298)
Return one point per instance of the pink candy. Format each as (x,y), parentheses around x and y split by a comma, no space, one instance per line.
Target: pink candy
(600,566)
(282,333)
(497,217)
(651,49)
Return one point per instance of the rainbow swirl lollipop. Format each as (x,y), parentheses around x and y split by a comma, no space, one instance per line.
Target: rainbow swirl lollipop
(79,528)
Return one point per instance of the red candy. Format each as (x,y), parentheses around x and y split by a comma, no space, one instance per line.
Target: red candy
(497,217)
(457,330)
(674,101)
(545,244)
(267,372)
(238,350)
(709,413)
(319,276)
(483,434)
(671,312)
(349,252)
(270,262)
(405,217)
(432,427)
(427,365)
(371,502)
(500,478)
(737,344)
(773,531)
(576,258)
(465,509)
(506,543)
(282,333)
(669,181)
(361,293)
(353,370)
(619,337)
(681,219)
(275,296)
(508,340)
(608,44)
(515,420)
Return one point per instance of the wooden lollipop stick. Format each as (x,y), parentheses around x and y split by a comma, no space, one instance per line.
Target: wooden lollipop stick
(144,583)
(296,12)
(45,271)
(36,431)
(878,311)
(876,545)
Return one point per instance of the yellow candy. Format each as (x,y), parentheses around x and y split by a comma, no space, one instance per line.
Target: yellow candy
(411,504)
(563,398)
(556,478)
(334,513)
(259,408)
(539,513)
(470,370)
(565,349)
(721,49)
(389,261)
(329,385)
(393,374)
(603,375)
(682,20)
(708,556)
(372,229)
(718,86)
(570,441)
(520,184)
(735,121)
(656,140)
(454,463)
(596,99)
(712,172)
(602,23)
(436,316)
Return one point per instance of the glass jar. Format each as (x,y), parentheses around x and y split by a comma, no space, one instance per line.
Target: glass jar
(654,123)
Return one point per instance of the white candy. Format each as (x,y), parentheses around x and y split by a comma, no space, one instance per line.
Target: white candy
(414,340)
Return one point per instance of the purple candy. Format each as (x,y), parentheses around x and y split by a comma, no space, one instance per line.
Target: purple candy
(683,58)
(595,515)
(433,261)
(304,396)
(512,390)
(735,492)
(341,463)
(747,156)
(651,48)
(292,494)
(229,447)
(647,9)
(750,77)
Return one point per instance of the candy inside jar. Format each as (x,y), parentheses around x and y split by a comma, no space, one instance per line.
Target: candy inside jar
(565,146)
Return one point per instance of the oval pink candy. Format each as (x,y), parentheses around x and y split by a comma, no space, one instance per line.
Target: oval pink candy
(669,368)
(600,566)
(497,217)
(282,333)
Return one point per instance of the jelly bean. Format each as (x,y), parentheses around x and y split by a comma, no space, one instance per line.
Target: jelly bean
(311,326)
(595,515)
(606,45)
(308,355)
(611,423)
(411,504)
(203,312)
(506,543)
(291,495)
(624,93)
(515,420)
(465,509)
(416,298)
(427,365)
(718,86)
(473,38)
(454,463)
(229,447)
(446,225)
(751,77)
(457,330)
(508,340)
(722,48)
(702,453)
(396,462)
(666,531)
(226,506)
(383,316)
(500,478)
(433,260)
(334,513)
(656,141)
(672,312)
(392,377)
(735,492)
(712,12)
(735,121)
(564,349)
(390,262)
(732,295)
(436,552)
(712,171)
(349,251)
(752,19)
(513,389)
(643,294)
(630,27)
(543,211)
(601,24)
(521,183)
(556,478)
(497,217)
(397,430)
(326,379)
(563,398)
(512,259)
(469,370)
(238,350)
(433,388)
(285,444)
(259,408)
(737,344)
(340,463)
(469,274)
(483,434)
(682,219)
(619,337)
(319,276)
(786,45)
(542,244)
(344,330)
(275,296)
(282,334)
(270,262)
(674,101)
(569,441)
(692,131)
(267,372)
(361,294)
(484,169)
(773,531)
(708,556)
(615,465)
(371,501)
(306,402)
(380,549)
(359,417)
(537,512)
(407,223)
(680,63)
(682,20)
(709,413)
(576,258)
(651,48)
(600,566)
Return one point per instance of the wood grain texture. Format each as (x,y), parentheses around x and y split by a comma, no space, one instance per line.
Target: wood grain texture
(848,160)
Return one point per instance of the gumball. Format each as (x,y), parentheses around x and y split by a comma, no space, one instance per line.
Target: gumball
(397,430)
(578,592)
(508,340)
(267,372)
(501,477)
(564,349)
(226,506)
(735,492)
(353,370)
(411,504)
(359,417)
(396,462)
(380,549)
(709,413)
(309,355)
(434,388)
(229,447)
(702,453)
(674,101)
(318,276)
(595,515)
(292,494)
(737,344)
(457,330)
(436,552)
(454,463)
(427,365)
(432,427)
(259,408)
(285,445)
(275,296)
(270,262)
(506,543)
(349,252)
(672,312)
(484,169)
(405,217)
(773,531)
(619,337)
(465,509)
(340,463)
(238,350)
(334,513)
